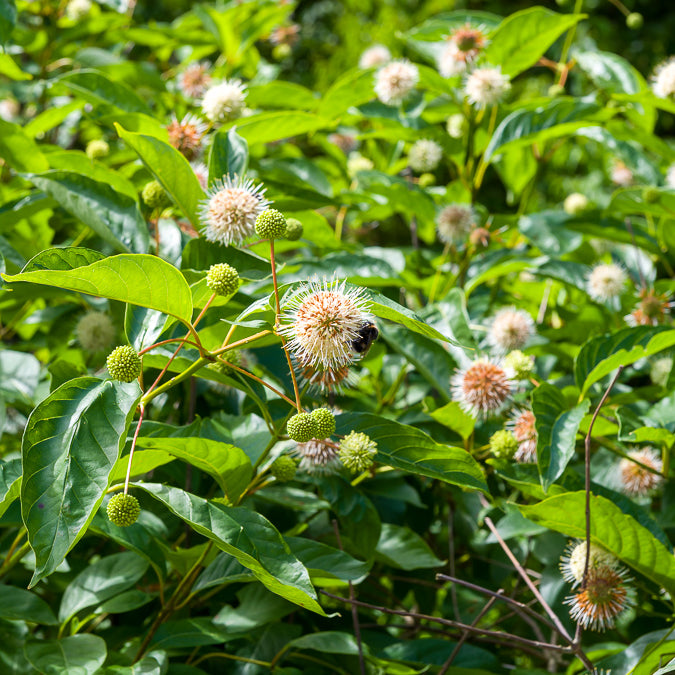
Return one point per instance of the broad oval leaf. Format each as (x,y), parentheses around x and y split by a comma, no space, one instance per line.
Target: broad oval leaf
(273,126)
(62,259)
(19,150)
(615,531)
(10,483)
(352,88)
(229,155)
(21,605)
(138,279)
(81,654)
(403,549)
(95,87)
(71,443)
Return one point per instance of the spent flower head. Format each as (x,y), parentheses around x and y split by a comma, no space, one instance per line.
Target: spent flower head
(186,135)
(224,101)
(450,61)
(395,81)
(483,388)
(469,40)
(453,223)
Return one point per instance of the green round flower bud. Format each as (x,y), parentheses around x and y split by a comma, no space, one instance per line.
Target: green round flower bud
(556,90)
(301,427)
(634,20)
(154,196)
(222,279)
(357,451)
(521,364)
(575,204)
(124,364)
(281,52)
(123,510)
(283,468)
(270,224)
(97,148)
(325,423)
(95,331)
(503,444)
(427,179)
(651,195)
(224,367)
(294,229)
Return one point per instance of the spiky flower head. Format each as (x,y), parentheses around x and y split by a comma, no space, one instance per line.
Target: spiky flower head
(195,80)
(469,40)
(606,282)
(124,364)
(201,171)
(486,86)
(222,279)
(450,61)
(326,379)
(503,444)
(357,162)
(357,451)
(456,125)
(321,321)
(270,224)
(483,388)
(317,457)
(522,426)
(575,204)
(424,155)
(294,229)
(621,175)
(97,148)
(123,510)
(605,596)
(224,101)
(520,364)
(95,331)
(453,223)
(659,373)
(652,310)
(511,329)
(76,10)
(186,135)
(641,472)
(231,208)
(374,57)
(573,561)
(325,423)
(663,80)
(301,427)
(154,196)
(283,468)
(395,81)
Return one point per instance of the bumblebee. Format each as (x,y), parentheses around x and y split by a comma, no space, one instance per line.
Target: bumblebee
(368,333)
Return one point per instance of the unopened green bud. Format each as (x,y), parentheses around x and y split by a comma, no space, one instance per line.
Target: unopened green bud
(124,364)
(270,224)
(357,451)
(222,279)
(123,510)
(301,427)
(503,444)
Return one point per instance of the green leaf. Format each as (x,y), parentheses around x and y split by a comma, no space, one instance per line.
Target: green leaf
(227,464)
(155,663)
(522,38)
(7,20)
(281,94)
(632,201)
(19,150)
(143,326)
(94,87)
(327,566)
(188,633)
(10,483)
(77,654)
(115,217)
(401,548)
(256,607)
(452,416)
(21,605)
(71,443)
(601,355)
(273,126)
(10,69)
(351,89)
(62,259)
(329,642)
(411,450)
(200,254)
(139,279)
(170,168)
(557,429)
(248,537)
(616,532)
(633,429)
(100,581)
(547,230)
(229,155)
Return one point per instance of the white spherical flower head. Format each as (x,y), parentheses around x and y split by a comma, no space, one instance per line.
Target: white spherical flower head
(641,472)
(424,155)
(395,81)
(230,210)
(606,282)
(511,329)
(663,80)
(321,321)
(450,61)
(224,101)
(374,57)
(76,10)
(319,458)
(195,80)
(456,125)
(453,223)
(486,86)
(482,389)
(573,561)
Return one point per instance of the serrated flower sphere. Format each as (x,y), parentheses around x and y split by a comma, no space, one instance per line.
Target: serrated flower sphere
(123,510)
(453,223)
(374,57)
(641,472)
(522,426)
(575,204)
(520,364)
(231,208)
(186,135)
(222,279)
(97,148)
(483,388)
(301,427)
(270,224)
(663,80)
(95,331)
(486,86)
(321,322)
(511,329)
(450,62)
(424,155)
(325,423)
(317,457)
(503,444)
(195,80)
(154,195)
(573,561)
(124,364)
(224,101)
(357,451)
(294,229)
(395,81)
(283,468)
(606,282)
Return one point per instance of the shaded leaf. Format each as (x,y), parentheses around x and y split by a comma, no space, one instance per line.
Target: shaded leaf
(403,549)
(81,654)
(95,87)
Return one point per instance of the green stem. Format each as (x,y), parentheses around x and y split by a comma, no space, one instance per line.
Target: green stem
(193,368)
(568,42)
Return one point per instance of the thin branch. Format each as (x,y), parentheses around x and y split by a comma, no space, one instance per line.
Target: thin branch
(451,562)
